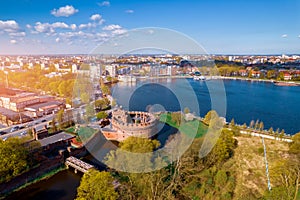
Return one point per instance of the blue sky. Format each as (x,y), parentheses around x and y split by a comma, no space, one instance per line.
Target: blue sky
(220,26)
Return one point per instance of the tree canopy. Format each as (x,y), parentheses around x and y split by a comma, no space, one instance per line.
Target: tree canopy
(13,158)
(96,185)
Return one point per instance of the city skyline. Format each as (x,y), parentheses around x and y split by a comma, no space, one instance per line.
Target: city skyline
(221,27)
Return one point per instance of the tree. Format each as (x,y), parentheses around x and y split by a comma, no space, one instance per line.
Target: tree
(60,118)
(96,185)
(221,178)
(177,118)
(256,126)
(251,125)
(53,124)
(186,110)
(271,131)
(244,126)
(90,112)
(261,126)
(101,115)
(295,145)
(13,158)
(102,104)
(210,116)
(232,123)
(281,135)
(105,89)
(84,97)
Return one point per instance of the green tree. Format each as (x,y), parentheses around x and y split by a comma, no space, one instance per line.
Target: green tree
(177,118)
(295,145)
(105,89)
(13,158)
(90,112)
(186,110)
(282,133)
(280,76)
(84,97)
(271,131)
(101,115)
(96,185)
(210,116)
(261,126)
(221,178)
(60,118)
(232,123)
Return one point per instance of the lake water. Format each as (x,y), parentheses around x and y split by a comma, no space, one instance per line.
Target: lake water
(276,106)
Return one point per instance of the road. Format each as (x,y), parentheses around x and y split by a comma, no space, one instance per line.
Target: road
(36,123)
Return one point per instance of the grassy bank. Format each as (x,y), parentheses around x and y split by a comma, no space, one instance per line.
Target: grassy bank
(194,128)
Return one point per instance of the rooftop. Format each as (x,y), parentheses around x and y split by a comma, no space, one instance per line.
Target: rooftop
(56,138)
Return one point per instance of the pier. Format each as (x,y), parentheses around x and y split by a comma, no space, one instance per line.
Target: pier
(78,165)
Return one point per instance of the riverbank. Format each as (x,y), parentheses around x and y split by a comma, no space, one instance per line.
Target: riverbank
(257,79)
(28,178)
(38,179)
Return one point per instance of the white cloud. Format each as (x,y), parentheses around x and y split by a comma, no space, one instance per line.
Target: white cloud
(17,34)
(73,26)
(43,28)
(80,34)
(284,36)
(111,27)
(104,3)
(298,36)
(13,41)
(104,35)
(65,11)
(9,26)
(60,25)
(129,11)
(96,17)
(88,25)
(50,28)
(28,26)
(57,40)
(119,31)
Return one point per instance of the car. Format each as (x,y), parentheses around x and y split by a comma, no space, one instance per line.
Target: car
(2,132)
(23,133)
(44,120)
(4,139)
(14,129)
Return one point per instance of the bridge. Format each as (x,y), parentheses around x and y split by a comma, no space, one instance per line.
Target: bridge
(78,164)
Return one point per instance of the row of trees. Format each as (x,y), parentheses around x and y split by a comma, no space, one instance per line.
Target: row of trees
(187,177)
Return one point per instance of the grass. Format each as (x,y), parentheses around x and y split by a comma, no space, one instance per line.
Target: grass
(85,133)
(70,129)
(249,165)
(186,127)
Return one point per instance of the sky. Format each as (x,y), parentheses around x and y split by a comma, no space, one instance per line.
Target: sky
(218,26)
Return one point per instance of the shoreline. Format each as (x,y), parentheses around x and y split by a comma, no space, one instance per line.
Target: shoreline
(257,80)
(42,177)
(293,83)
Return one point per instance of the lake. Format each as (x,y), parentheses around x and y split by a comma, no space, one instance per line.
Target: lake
(276,106)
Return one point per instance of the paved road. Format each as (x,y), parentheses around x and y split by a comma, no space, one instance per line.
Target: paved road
(37,124)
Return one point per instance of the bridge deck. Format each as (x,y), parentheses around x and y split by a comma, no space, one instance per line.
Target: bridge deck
(78,164)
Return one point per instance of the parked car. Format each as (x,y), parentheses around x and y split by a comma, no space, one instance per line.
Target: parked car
(14,129)
(23,133)
(2,132)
